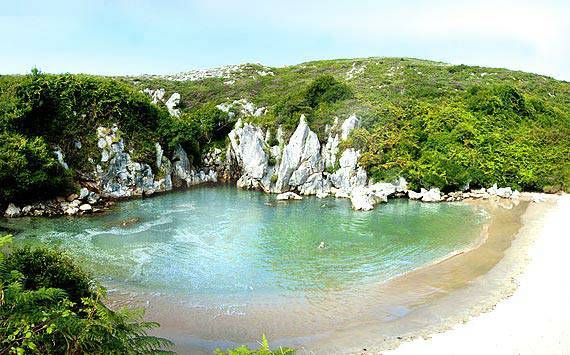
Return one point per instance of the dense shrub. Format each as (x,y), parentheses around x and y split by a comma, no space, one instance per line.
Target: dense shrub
(28,168)
(490,136)
(46,268)
(195,130)
(326,89)
(316,101)
(39,317)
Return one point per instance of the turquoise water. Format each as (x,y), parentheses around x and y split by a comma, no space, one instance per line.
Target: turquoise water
(225,241)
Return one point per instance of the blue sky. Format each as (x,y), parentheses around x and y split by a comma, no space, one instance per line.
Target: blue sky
(134,37)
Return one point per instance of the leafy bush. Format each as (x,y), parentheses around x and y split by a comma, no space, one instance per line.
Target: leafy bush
(36,316)
(46,268)
(29,169)
(195,130)
(489,136)
(316,101)
(326,89)
(263,350)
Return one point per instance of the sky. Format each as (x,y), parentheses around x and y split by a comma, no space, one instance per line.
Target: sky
(168,36)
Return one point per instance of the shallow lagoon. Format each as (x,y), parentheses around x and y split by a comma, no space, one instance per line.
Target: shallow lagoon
(226,241)
(220,266)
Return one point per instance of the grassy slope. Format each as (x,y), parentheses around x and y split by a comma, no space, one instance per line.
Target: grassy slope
(410,110)
(383,81)
(390,92)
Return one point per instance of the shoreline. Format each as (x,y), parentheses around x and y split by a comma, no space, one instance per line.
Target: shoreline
(523,311)
(371,310)
(446,289)
(380,316)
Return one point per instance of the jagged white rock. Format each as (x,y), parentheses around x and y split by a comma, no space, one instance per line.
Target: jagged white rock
(172,103)
(348,125)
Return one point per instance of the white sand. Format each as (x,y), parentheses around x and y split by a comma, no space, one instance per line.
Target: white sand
(536,318)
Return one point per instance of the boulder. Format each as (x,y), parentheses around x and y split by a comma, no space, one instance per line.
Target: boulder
(85,207)
(93,198)
(71,211)
(504,192)
(288,196)
(72,197)
(431,195)
(75,203)
(12,211)
(412,195)
(362,199)
(83,193)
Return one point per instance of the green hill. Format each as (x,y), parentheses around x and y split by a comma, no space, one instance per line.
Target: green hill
(435,124)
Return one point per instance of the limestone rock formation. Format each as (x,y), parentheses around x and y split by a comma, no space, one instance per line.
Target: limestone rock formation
(172,104)
(12,211)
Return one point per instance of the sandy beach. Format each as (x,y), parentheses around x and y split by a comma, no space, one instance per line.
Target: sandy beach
(535,319)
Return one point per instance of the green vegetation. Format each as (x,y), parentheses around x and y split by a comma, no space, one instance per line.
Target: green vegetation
(50,306)
(40,112)
(28,167)
(492,134)
(263,350)
(435,124)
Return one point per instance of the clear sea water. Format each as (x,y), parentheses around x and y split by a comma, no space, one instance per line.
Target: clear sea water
(224,241)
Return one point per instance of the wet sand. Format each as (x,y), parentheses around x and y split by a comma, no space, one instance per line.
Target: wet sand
(367,320)
(535,319)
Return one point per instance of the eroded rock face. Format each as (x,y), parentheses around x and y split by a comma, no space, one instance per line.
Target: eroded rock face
(183,174)
(300,165)
(117,174)
(249,145)
(291,158)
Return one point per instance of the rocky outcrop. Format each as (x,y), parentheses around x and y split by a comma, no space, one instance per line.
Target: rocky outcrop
(172,104)
(157,95)
(300,166)
(301,159)
(118,176)
(184,175)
